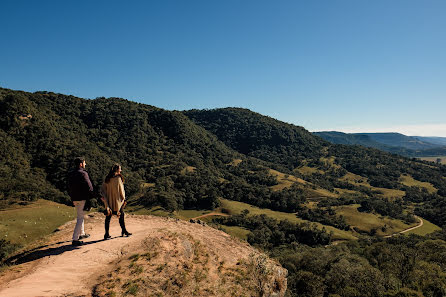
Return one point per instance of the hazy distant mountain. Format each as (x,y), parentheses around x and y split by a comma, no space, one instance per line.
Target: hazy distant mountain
(435,140)
(409,146)
(350,139)
(401,140)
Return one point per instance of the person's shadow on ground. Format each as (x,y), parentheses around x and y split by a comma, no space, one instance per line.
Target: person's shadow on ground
(40,252)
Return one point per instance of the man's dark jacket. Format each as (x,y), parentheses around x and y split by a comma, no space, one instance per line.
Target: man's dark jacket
(79,185)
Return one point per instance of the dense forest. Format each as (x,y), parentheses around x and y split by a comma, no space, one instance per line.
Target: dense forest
(192,159)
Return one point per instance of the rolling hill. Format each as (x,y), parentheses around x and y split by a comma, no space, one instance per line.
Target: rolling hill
(281,188)
(396,143)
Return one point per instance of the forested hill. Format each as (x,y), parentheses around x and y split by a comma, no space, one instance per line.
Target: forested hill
(361,171)
(191,159)
(42,132)
(260,136)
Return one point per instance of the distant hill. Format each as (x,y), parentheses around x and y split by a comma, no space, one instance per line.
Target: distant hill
(188,161)
(409,146)
(400,140)
(434,140)
(350,139)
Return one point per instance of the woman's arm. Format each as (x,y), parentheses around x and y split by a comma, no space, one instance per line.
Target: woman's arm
(104,199)
(121,189)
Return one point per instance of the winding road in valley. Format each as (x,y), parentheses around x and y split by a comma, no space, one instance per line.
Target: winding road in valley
(407,230)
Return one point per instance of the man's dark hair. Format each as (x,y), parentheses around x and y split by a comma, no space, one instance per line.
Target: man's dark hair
(77,161)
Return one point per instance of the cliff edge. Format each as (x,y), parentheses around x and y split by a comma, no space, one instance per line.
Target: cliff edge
(163,257)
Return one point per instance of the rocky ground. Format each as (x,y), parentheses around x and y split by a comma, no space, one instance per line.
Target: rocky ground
(163,257)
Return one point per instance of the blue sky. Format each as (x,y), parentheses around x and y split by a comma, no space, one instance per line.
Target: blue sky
(348,65)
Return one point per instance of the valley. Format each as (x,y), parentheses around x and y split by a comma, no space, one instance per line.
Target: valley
(303,201)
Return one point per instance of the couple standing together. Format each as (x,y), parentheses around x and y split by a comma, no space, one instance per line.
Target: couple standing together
(112,194)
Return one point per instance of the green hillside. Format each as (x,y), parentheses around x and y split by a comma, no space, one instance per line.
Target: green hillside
(280,187)
(325,165)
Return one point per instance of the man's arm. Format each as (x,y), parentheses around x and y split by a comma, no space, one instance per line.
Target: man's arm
(87,183)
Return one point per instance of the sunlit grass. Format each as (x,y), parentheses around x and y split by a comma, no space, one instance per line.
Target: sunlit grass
(32,222)
(427,228)
(367,221)
(434,159)
(305,170)
(236,207)
(284,180)
(411,182)
(236,231)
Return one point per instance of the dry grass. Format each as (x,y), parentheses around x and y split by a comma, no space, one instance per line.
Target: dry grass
(147,185)
(367,221)
(187,169)
(305,170)
(330,161)
(236,231)
(236,207)
(411,182)
(389,193)
(177,264)
(427,228)
(284,180)
(355,179)
(362,181)
(434,159)
(235,162)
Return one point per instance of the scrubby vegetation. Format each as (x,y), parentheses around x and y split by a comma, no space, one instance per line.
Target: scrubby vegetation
(193,159)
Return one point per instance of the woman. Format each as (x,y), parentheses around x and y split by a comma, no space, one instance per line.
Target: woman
(114,199)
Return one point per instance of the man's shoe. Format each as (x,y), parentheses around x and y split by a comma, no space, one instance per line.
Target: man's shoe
(77,243)
(84,236)
(107,236)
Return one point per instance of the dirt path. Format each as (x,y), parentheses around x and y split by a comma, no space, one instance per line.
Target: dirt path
(407,230)
(211,214)
(59,269)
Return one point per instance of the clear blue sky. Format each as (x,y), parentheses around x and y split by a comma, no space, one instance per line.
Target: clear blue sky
(350,65)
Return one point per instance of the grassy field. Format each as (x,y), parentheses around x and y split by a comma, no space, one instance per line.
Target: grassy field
(359,180)
(235,162)
(389,193)
(434,159)
(183,214)
(427,228)
(305,170)
(411,182)
(235,231)
(368,221)
(284,180)
(29,223)
(236,207)
(355,179)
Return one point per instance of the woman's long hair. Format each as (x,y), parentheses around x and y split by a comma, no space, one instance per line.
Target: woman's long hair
(112,173)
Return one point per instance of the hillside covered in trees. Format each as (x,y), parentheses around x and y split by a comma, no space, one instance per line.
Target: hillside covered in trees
(192,159)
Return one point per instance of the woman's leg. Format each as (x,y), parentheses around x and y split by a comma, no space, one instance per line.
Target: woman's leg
(122,222)
(107,224)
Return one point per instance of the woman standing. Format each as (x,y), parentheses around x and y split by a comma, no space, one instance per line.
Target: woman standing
(114,199)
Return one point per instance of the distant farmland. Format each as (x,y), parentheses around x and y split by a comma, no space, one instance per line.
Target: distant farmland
(434,159)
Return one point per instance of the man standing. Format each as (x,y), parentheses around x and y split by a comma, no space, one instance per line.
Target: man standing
(80,190)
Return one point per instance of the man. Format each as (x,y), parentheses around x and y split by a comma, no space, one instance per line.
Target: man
(80,190)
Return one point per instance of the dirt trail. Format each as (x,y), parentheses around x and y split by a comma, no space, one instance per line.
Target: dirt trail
(407,230)
(210,215)
(59,269)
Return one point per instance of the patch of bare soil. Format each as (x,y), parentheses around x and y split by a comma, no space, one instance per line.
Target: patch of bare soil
(163,257)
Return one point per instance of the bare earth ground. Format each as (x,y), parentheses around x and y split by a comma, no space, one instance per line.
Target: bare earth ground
(59,269)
